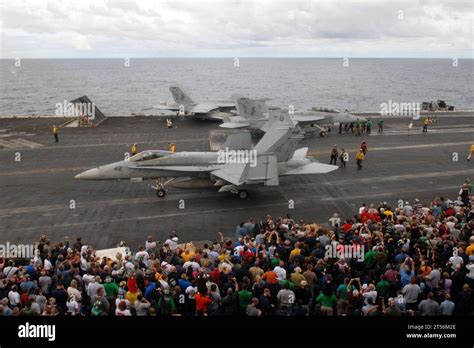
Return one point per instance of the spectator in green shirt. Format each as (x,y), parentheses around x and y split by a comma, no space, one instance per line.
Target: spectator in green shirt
(327,301)
(383,287)
(245,298)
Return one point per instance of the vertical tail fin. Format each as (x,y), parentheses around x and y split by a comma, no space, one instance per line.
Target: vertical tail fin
(280,118)
(282,137)
(249,108)
(179,96)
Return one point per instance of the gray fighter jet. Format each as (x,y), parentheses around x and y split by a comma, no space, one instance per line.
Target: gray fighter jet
(205,109)
(275,155)
(255,114)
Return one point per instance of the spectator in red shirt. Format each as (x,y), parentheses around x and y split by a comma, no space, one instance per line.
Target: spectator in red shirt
(202,302)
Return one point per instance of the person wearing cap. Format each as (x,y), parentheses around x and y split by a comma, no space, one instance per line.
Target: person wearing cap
(334,155)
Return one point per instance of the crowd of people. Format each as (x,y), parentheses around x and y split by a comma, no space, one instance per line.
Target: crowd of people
(362,126)
(412,259)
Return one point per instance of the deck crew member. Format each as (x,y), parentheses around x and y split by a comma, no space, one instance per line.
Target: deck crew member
(55,134)
(426,122)
(363,146)
(334,155)
(172,147)
(134,149)
(359,158)
(471,151)
(343,157)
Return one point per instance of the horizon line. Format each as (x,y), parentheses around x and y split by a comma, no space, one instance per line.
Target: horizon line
(239,57)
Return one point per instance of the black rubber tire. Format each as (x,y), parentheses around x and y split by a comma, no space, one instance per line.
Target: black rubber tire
(243,194)
(161,193)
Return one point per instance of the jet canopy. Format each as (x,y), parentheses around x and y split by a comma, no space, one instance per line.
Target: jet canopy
(149,155)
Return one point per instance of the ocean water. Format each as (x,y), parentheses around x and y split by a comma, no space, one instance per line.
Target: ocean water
(34,87)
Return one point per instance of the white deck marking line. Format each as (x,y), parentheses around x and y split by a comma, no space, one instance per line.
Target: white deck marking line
(48,147)
(26,143)
(8,144)
(401,147)
(417,131)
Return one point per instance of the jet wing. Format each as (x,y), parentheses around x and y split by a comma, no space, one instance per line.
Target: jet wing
(209,168)
(265,171)
(312,168)
(234,124)
(167,107)
(204,107)
(307,118)
(233,173)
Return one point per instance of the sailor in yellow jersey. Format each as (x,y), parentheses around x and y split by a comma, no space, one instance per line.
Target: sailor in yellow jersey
(359,158)
(426,122)
(471,151)
(172,147)
(134,149)
(55,134)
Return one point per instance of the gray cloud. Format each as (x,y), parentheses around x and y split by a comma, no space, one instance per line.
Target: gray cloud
(114,28)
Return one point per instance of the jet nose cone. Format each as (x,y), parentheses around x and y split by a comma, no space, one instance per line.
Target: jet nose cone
(90,174)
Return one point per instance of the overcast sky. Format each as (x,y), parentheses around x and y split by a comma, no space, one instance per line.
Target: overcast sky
(194,28)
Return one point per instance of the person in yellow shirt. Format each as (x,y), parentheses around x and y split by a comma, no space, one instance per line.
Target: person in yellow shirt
(470,248)
(186,255)
(134,149)
(426,122)
(172,147)
(359,158)
(55,134)
(471,151)
(295,252)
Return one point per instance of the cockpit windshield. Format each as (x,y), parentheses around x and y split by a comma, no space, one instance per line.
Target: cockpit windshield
(147,155)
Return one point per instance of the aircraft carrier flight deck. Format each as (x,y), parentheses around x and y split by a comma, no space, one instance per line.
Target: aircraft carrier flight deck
(40,196)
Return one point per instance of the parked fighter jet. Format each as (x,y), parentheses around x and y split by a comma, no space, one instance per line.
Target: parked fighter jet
(255,114)
(205,109)
(233,171)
